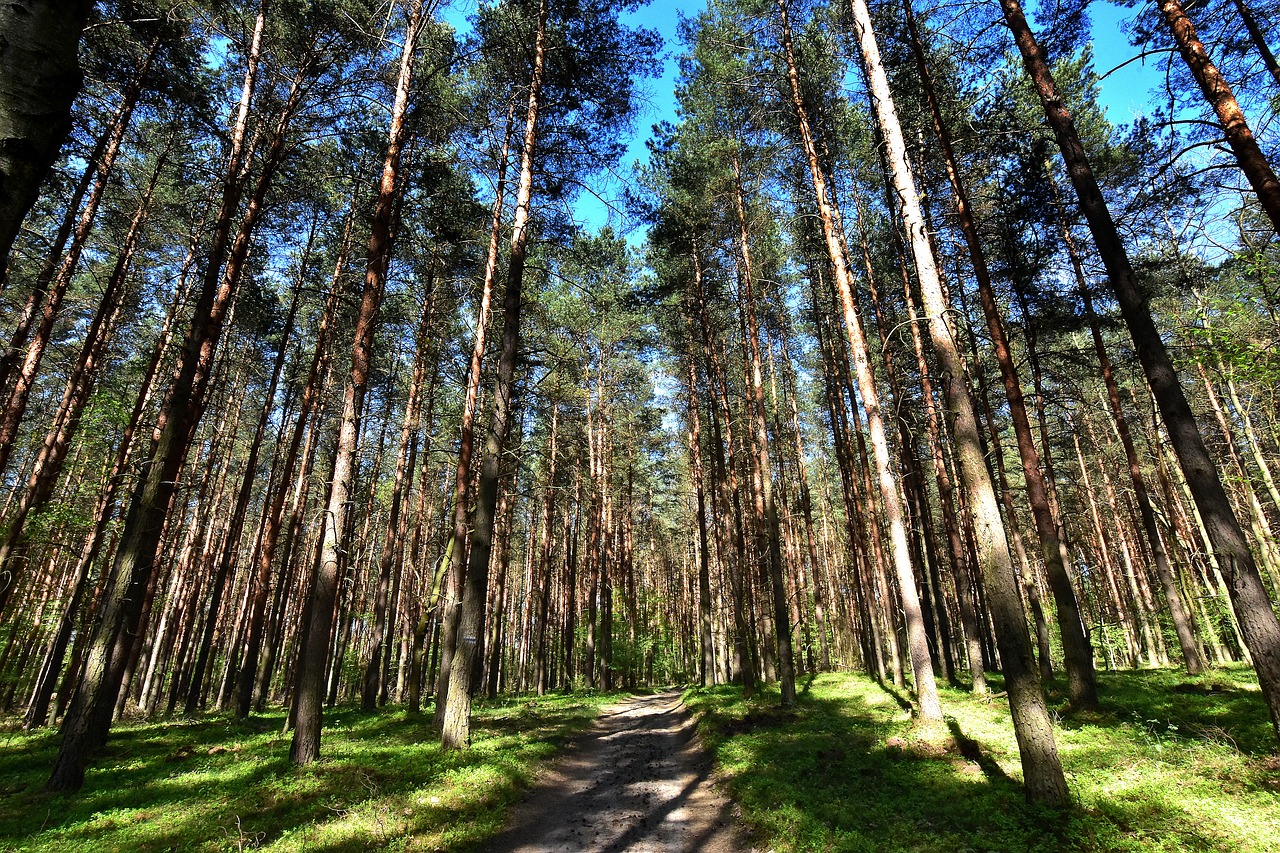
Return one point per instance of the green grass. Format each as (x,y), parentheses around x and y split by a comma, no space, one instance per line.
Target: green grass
(1170,764)
(214,784)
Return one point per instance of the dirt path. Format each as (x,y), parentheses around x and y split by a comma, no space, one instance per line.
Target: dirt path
(639,782)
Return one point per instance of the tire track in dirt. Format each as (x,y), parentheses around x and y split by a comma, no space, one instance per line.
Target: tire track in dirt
(639,782)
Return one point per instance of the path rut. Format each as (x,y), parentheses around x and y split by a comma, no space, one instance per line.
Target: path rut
(638,782)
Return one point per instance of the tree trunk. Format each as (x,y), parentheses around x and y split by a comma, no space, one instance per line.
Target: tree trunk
(1042,770)
(466,442)
(922,667)
(456,727)
(1217,91)
(41,78)
(313,650)
(1078,656)
(1249,597)
(89,716)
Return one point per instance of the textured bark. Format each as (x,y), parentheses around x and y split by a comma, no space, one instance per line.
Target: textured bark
(455,730)
(1249,599)
(314,646)
(1078,656)
(89,716)
(921,664)
(1217,91)
(1042,769)
(39,79)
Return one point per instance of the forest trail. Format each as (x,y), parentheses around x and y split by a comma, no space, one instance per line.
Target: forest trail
(639,781)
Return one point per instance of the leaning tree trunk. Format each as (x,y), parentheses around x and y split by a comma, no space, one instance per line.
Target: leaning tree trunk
(89,715)
(1217,91)
(1077,654)
(455,731)
(1042,769)
(1249,599)
(313,649)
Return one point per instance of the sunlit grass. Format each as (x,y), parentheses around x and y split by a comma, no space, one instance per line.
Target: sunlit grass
(1170,764)
(215,784)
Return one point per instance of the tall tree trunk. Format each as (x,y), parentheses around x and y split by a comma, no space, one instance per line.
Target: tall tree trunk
(707,668)
(89,716)
(455,732)
(274,511)
(766,506)
(466,442)
(372,685)
(313,651)
(1217,91)
(1042,769)
(1078,656)
(921,664)
(1249,597)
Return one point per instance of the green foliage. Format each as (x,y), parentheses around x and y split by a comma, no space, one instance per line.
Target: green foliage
(216,784)
(1170,764)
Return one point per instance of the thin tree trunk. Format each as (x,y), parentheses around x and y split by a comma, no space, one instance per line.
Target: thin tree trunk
(313,650)
(921,664)
(456,727)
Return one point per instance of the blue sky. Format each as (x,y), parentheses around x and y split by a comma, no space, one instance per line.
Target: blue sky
(1125,92)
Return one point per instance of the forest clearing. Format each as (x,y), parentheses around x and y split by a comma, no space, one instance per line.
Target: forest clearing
(609,425)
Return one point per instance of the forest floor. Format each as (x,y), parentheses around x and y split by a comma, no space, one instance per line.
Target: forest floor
(216,784)
(639,781)
(1171,763)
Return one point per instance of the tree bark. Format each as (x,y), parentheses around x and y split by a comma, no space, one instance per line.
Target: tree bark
(39,43)
(456,727)
(1042,769)
(313,650)
(1217,91)
(1249,597)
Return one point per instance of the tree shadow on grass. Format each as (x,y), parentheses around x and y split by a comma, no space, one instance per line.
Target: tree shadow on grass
(215,784)
(1223,706)
(848,774)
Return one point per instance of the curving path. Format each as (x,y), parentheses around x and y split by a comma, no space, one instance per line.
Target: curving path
(638,782)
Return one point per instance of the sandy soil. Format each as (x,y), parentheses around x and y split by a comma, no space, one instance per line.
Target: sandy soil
(639,782)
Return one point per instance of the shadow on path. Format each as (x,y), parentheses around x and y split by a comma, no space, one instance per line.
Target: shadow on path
(639,781)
